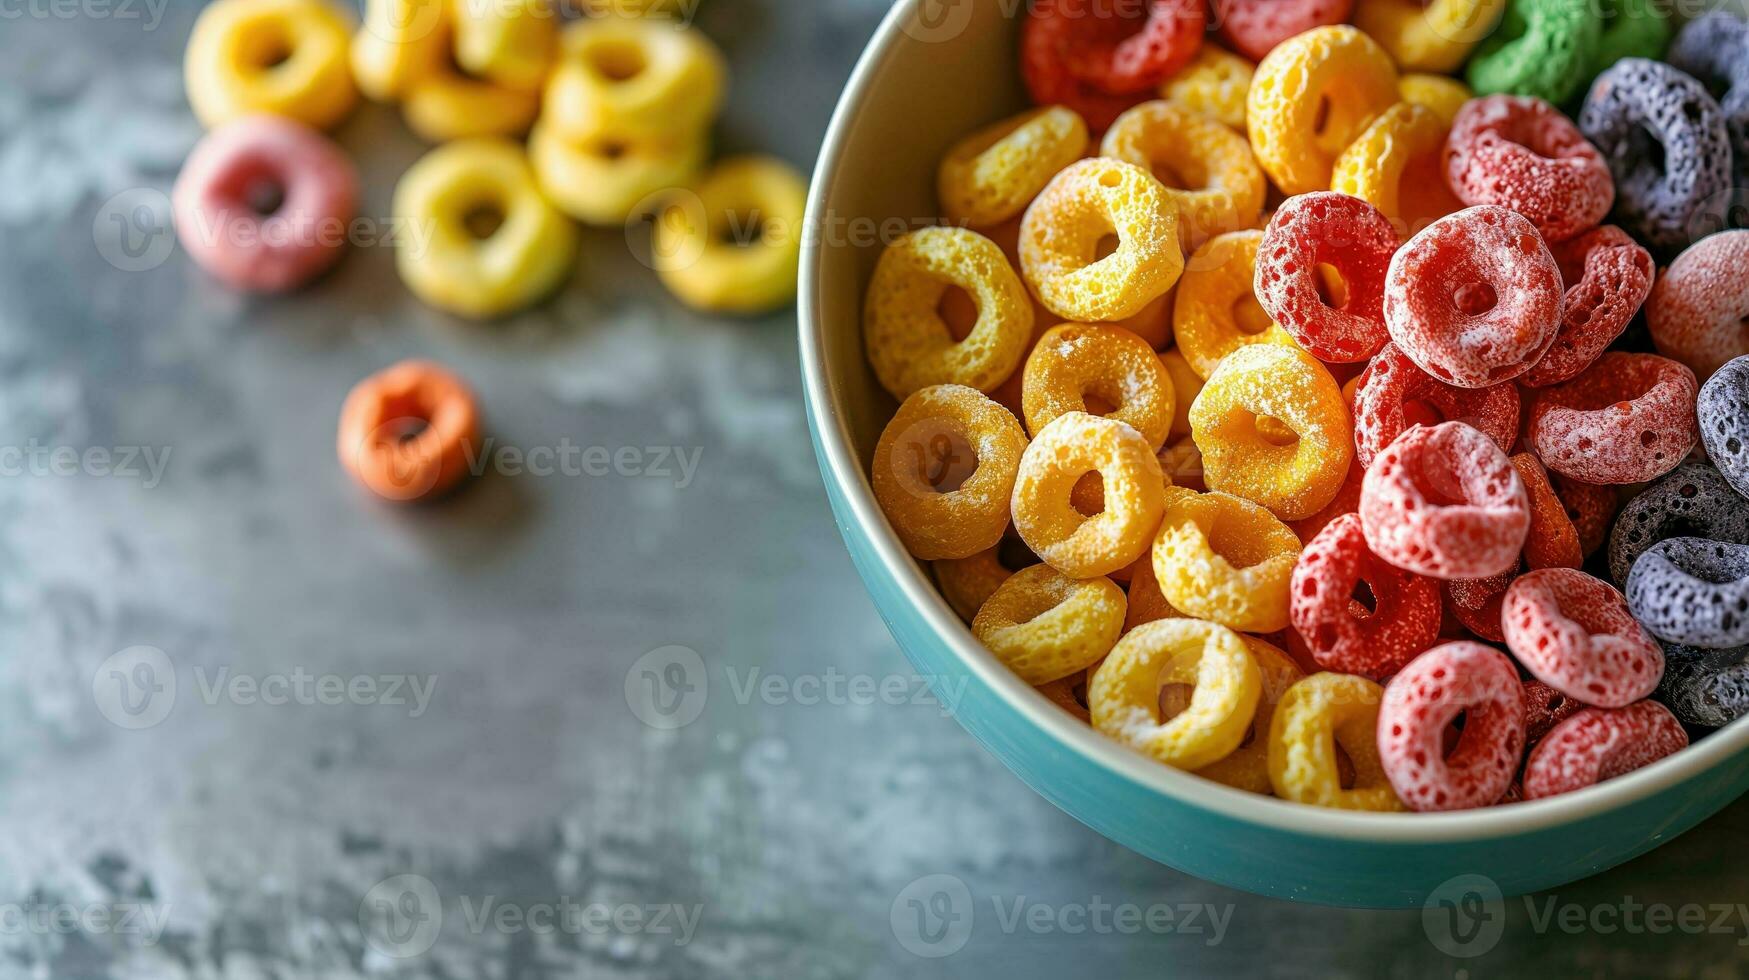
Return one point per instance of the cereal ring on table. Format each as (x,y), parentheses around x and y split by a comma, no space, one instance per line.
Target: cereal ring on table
(1553,541)
(1574,633)
(1723,412)
(1627,418)
(1599,744)
(1665,140)
(1699,306)
(1314,717)
(512,43)
(1216,311)
(444,104)
(1293,465)
(1346,234)
(967,582)
(1255,27)
(711,260)
(1214,84)
(1445,96)
(1476,602)
(1341,632)
(1429,37)
(1061,233)
(1071,446)
(633,78)
(1394,394)
(1543,48)
(1631,29)
(943,470)
(1591,508)
(1445,501)
(1609,276)
(1247,767)
(993,174)
(1073,361)
(910,346)
(1475,298)
(1714,48)
(1225,559)
(1705,687)
(1186,385)
(408,52)
(409,431)
(1208,170)
(1043,625)
(604,181)
(1544,708)
(468,266)
(1692,591)
(1394,165)
(1421,702)
(264,203)
(280,57)
(1212,661)
(1521,153)
(1310,97)
(1693,500)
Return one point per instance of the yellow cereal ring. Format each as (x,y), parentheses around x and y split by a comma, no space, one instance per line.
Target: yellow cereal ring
(967,582)
(395,44)
(510,42)
(1247,767)
(1069,693)
(630,77)
(1044,625)
(1224,559)
(1293,468)
(1396,166)
(444,104)
(407,52)
(910,346)
(1312,718)
(1427,36)
(993,174)
(1063,229)
(633,8)
(954,437)
(280,57)
(1073,361)
(1185,385)
(462,267)
(1444,95)
(1079,546)
(1213,85)
(1208,170)
(1210,660)
(603,181)
(1217,311)
(756,273)
(1311,96)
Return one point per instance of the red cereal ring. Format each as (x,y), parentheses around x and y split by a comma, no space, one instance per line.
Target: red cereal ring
(1544,708)
(1696,311)
(1476,603)
(1591,508)
(1119,47)
(1394,394)
(1575,634)
(1627,419)
(1050,28)
(1519,152)
(1253,27)
(1553,541)
(1325,229)
(1420,704)
(1608,277)
(1475,298)
(1444,501)
(1341,632)
(1601,743)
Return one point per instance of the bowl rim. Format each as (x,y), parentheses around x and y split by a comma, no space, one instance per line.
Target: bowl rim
(843,468)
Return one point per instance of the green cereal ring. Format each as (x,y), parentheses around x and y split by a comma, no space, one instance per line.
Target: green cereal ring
(1543,48)
(1631,29)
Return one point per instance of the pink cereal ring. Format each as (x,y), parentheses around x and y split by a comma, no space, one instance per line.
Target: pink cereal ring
(1476,602)
(1394,394)
(1698,309)
(264,203)
(1601,743)
(1521,153)
(1608,276)
(1445,501)
(1352,237)
(1544,708)
(1575,634)
(1341,632)
(1420,704)
(1475,298)
(1627,419)
(1254,27)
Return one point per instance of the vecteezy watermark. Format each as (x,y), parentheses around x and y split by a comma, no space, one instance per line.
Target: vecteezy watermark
(150,13)
(678,464)
(142,923)
(667,687)
(36,459)
(133,230)
(1466,916)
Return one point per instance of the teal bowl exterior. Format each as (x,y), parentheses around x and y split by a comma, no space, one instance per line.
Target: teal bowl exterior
(924,80)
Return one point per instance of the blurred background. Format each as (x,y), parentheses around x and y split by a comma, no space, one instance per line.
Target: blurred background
(632,722)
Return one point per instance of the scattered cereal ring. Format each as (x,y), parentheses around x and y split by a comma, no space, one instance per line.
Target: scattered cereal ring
(1247,767)
(1608,277)
(1692,591)
(1476,602)
(1048,30)
(943,470)
(409,51)
(1705,687)
(1061,233)
(1072,445)
(1296,464)
(513,42)
(967,582)
(1073,361)
(755,272)
(1692,500)
(1429,37)
(1216,311)
(1723,411)
(1350,236)
(1214,84)
(1255,27)
(1631,29)
(1211,660)
(1394,394)
(1210,176)
(1342,633)
(1714,48)
(1699,306)
(1599,744)
(1394,165)
(279,57)
(1521,153)
(1591,508)
(1553,541)
(1626,419)
(993,174)
(1186,385)
(1445,501)
(1044,626)
(1422,701)
(1445,96)
(408,432)
(632,78)
(910,346)
(1226,560)
(1543,48)
(1544,708)
(1575,634)
(1312,718)
(1311,96)
(604,181)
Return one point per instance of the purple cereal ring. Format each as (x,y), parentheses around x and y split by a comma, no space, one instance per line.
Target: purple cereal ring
(1714,48)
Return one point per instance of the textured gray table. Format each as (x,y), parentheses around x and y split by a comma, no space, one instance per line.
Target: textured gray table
(451,682)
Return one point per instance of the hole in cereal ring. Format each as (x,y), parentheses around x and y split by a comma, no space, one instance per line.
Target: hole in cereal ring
(1088,494)
(483,220)
(957,309)
(612,150)
(1474,298)
(1165,174)
(1248,315)
(1321,117)
(1419,412)
(1344,768)
(1331,288)
(1098,403)
(941,457)
(1275,432)
(1106,245)
(1175,700)
(618,62)
(264,197)
(741,229)
(1363,595)
(270,51)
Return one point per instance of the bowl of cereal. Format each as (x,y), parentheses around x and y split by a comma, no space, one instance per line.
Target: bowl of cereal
(959,605)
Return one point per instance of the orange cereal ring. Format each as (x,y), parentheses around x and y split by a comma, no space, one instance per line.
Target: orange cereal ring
(1553,541)
(1445,96)
(910,346)
(1247,767)
(1185,385)
(1166,658)
(1062,231)
(1293,464)
(967,582)
(1397,166)
(1068,693)
(1217,311)
(1224,559)
(1080,546)
(1208,170)
(943,470)
(1146,602)
(993,174)
(1044,625)
(1075,360)
(1311,96)
(1214,85)
(409,431)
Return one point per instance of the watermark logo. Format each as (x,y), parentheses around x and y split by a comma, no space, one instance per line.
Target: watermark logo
(135,688)
(141,922)
(933,916)
(667,687)
(401,916)
(934,21)
(1465,916)
(133,230)
(150,13)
